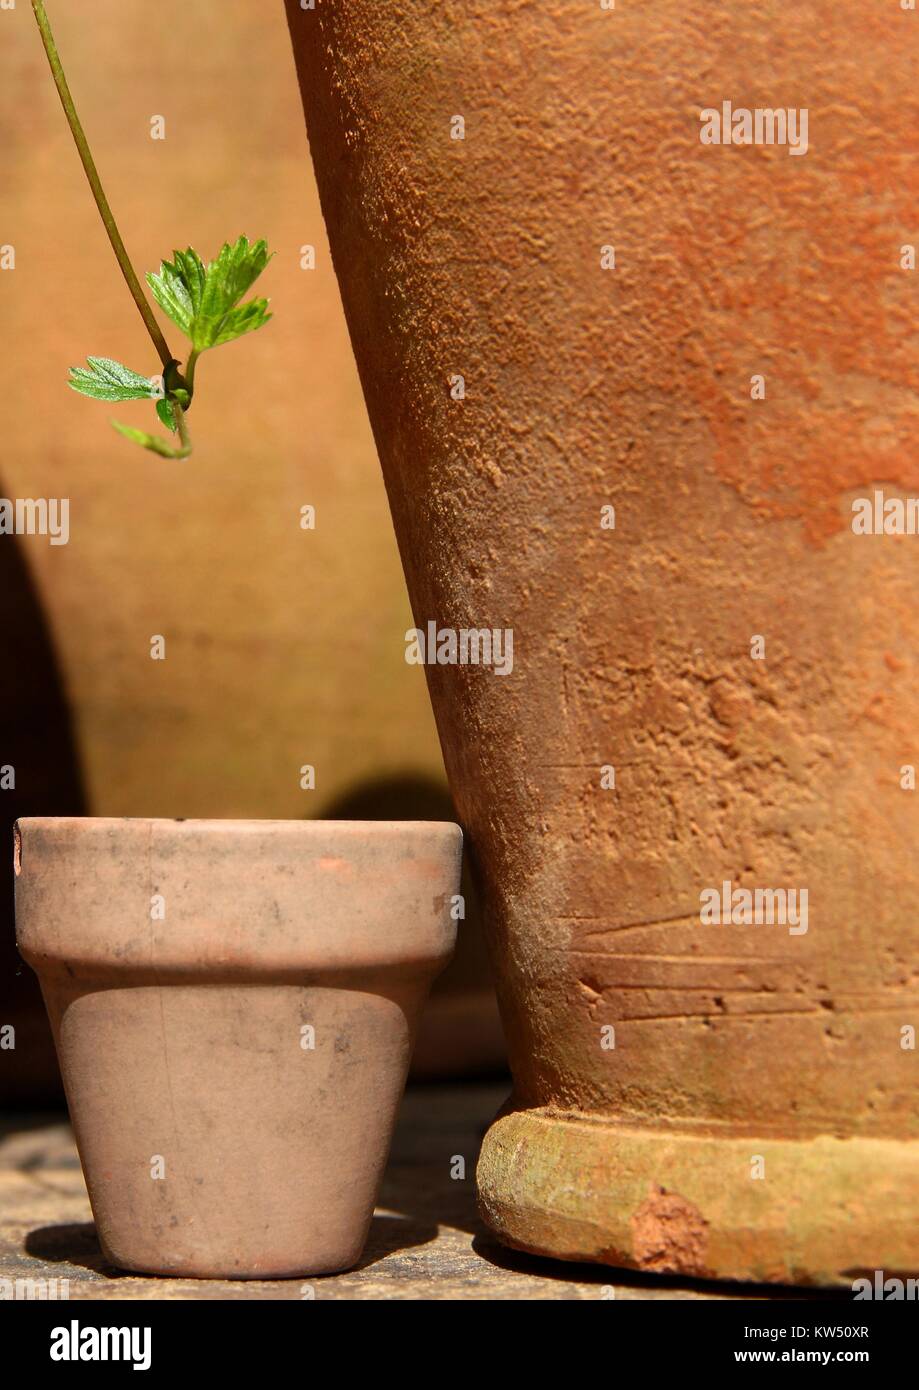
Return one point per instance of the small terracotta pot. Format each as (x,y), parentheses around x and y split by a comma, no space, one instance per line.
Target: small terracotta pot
(234,1005)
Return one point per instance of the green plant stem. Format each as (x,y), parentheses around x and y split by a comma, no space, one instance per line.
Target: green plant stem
(105,212)
(184,436)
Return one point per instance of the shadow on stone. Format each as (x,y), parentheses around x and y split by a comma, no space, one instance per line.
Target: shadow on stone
(75,1245)
(639,1285)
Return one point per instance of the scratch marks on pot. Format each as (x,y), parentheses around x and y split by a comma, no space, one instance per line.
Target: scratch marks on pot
(609,927)
(649,986)
(669,1235)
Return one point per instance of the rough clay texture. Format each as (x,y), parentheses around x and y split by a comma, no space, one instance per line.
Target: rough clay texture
(668,1233)
(217,1139)
(823,1211)
(632,647)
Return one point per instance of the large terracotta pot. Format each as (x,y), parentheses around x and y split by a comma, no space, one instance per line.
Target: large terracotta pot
(757,1117)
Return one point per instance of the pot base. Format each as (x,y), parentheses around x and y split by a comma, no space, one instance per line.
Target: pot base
(220,1269)
(825,1212)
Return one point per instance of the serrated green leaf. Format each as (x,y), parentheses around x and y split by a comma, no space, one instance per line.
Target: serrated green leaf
(235,270)
(204,300)
(246,319)
(193,273)
(178,288)
(106,380)
(166,413)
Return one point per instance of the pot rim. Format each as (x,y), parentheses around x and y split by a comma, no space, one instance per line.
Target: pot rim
(218,824)
(234,898)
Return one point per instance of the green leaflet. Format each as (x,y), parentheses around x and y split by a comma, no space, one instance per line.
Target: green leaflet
(204,300)
(245,319)
(151,442)
(106,380)
(178,288)
(165,412)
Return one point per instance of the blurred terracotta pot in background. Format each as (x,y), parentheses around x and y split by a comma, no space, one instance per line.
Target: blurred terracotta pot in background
(234,1005)
(625,387)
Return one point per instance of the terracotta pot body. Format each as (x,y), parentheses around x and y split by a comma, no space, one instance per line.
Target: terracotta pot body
(658,1064)
(234,1007)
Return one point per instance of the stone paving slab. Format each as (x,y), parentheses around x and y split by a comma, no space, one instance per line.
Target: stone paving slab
(426,1241)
